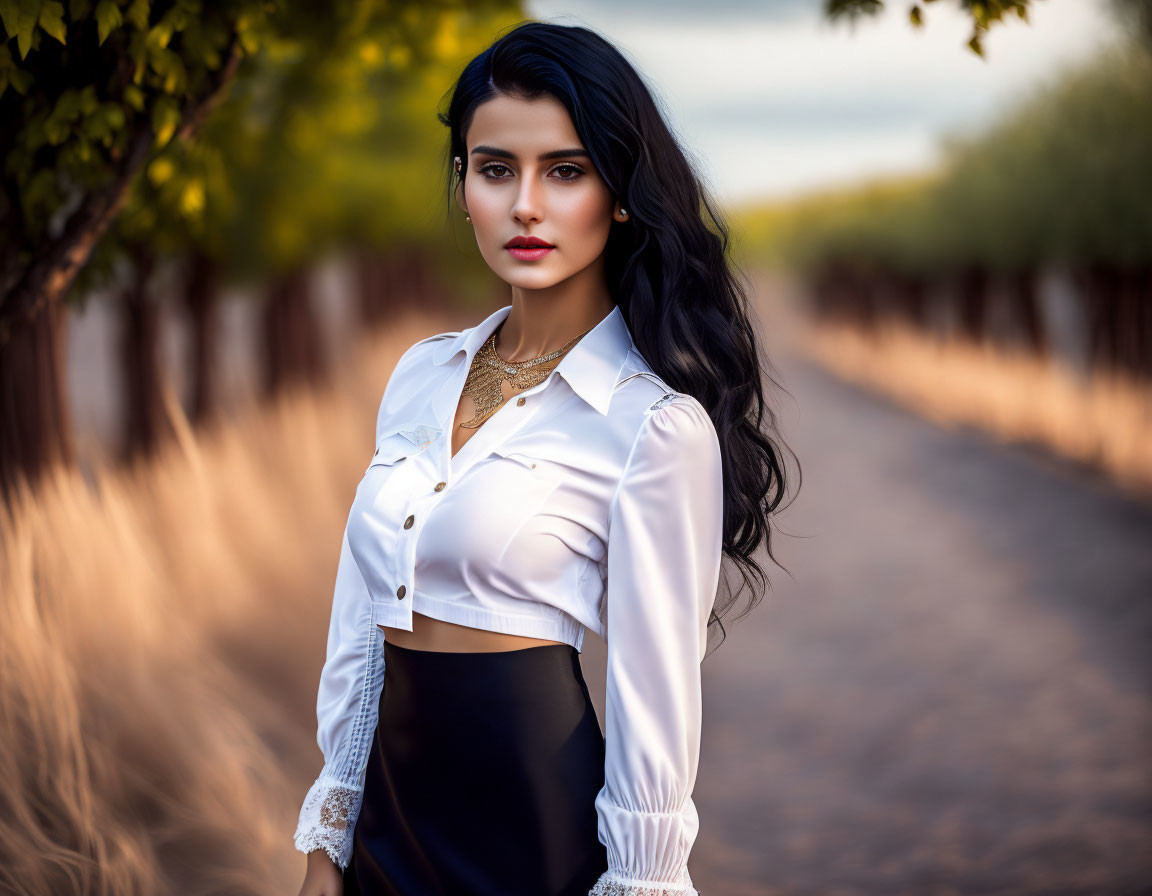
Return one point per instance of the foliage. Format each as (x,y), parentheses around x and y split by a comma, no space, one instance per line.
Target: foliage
(326,134)
(984,14)
(83,81)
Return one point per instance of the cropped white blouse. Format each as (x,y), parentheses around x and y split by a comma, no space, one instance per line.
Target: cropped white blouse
(591,500)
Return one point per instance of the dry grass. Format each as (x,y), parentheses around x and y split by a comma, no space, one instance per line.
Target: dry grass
(1104,422)
(161,633)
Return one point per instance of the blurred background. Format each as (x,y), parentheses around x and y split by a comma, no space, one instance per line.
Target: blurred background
(221,226)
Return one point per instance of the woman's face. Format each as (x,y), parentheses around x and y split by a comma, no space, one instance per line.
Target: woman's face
(527,174)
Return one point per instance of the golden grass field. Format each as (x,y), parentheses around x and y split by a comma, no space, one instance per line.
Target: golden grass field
(161,632)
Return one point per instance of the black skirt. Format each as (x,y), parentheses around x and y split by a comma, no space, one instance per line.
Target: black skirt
(482,777)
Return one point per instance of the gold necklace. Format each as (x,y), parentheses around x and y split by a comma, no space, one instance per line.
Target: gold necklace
(489,370)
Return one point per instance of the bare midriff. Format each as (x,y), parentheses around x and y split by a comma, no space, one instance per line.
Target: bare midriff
(436,634)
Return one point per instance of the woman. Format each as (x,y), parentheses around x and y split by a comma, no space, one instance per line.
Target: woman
(582,458)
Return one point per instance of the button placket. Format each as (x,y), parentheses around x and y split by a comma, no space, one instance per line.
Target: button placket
(410,528)
(410,534)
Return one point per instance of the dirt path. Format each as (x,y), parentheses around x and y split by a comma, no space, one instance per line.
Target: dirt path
(953,692)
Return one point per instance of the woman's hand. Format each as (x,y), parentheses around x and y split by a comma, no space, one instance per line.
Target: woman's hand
(323,877)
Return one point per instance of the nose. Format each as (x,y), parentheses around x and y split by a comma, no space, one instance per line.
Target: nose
(527,208)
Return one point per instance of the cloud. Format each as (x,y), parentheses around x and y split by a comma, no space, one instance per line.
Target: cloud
(743,83)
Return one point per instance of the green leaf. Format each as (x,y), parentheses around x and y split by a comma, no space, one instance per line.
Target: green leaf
(68,105)
(114,116)
(107,19)
(165,118)
(20,80)
(160,34)
(23,24)
(39,192)
(88,99)
(134,97)
(57,130)
(52,20)
(138,13)
(8,13)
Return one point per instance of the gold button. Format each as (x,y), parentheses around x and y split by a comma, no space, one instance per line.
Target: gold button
(400,592)
(521,400)
(440,486)
(408,522)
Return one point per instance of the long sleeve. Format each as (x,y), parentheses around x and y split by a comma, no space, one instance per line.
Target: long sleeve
(347,701)
(664,551)
(351,681)
(346,714)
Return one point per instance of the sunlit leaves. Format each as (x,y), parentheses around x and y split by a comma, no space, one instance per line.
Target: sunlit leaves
(52,20)
(78,112)
(161,170)
(165,118)
(108,19)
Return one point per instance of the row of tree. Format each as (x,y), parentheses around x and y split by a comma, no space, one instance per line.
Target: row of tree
(239,143)
(1061,182)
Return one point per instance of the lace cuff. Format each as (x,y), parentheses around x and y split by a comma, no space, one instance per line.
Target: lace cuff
(612,883)
(327,820)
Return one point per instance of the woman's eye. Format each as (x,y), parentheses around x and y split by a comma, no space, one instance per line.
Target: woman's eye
(488,168)
(573,172)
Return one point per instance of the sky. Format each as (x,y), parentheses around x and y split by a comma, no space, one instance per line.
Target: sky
(773,101)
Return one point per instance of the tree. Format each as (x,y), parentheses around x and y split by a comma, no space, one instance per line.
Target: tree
(88,96)
(984,13)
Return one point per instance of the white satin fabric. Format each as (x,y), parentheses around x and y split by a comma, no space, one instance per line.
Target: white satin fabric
(591,500)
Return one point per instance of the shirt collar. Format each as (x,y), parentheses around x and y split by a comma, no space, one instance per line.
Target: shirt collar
(591,367)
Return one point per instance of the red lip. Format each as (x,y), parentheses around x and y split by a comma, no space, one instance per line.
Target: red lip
(527,242)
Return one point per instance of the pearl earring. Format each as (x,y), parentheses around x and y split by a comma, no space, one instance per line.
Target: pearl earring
(623,213)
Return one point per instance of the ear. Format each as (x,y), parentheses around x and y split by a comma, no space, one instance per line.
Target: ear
(459,194)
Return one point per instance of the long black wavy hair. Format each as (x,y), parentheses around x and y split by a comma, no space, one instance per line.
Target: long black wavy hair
(667,270)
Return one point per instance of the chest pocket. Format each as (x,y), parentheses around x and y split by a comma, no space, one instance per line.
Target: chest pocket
(391,450)
(401,442)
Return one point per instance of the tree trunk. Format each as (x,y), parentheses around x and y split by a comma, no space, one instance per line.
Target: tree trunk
(1134,325)
(293,353)
(1100,290)
(201,302)
(973,299)
(146,424)
(914,300)
(376,286)
(35,426)
(1025,302)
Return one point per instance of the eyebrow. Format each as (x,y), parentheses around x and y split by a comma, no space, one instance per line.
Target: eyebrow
(554,154)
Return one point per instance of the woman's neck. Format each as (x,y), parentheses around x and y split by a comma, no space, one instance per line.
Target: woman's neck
(538,324)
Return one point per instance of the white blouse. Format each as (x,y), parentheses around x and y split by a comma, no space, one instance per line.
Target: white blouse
(591,500)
